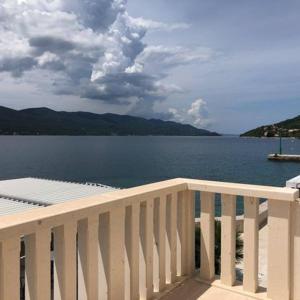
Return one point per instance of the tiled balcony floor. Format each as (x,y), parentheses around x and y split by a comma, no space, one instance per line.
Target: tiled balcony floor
(192,289)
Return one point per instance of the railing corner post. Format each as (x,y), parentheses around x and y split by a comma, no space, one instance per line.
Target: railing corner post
(279,250)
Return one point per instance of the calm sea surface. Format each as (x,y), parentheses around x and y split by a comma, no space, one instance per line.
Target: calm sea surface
(131,161)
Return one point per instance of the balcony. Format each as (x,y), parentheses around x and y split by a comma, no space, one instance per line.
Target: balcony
(139,243)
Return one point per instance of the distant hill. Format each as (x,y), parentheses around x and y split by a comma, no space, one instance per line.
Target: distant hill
(287,128)
(44,121)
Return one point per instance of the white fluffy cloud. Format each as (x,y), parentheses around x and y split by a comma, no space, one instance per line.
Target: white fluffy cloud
(160,59)
(197,114)
(154,25)
(90,48)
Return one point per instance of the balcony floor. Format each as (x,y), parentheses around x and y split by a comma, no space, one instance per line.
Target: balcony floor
(192,289)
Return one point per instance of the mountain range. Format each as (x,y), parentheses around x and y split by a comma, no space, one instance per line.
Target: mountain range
(45,121)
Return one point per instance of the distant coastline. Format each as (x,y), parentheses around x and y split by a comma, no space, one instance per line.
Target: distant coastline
(47,122)
(289,128)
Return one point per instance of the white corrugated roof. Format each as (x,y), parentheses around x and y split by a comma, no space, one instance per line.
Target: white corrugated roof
(25,193)
(9,206)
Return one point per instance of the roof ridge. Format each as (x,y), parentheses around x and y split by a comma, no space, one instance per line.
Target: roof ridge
(74,182)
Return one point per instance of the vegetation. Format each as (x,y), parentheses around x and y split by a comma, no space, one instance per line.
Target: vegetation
(44,121)
(287,128)
(239,247)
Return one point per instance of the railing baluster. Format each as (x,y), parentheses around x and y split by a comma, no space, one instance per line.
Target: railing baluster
(156,207)
(132,230)
(228,239)
(279,238)
(146,249)
(207,221)
(65,261)
(143,251)
(190,219)
(250,281)
(159,258)
(149,243)
(37,265)
(135,252)
(10,269)
(128,242)
(162,243)
(88,247)
(182,236)
(172,238)
(104,256)
(117,253)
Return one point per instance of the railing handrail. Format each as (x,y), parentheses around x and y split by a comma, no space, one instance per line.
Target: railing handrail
(240,189)
(27,222)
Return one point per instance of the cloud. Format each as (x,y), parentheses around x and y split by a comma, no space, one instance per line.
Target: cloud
(154,25)
(197,114)
(88,12)
(160,59)
(92,49)
(50,44)
(16,65)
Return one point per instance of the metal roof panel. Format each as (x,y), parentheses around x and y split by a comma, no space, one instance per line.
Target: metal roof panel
(27,193)
(10,206)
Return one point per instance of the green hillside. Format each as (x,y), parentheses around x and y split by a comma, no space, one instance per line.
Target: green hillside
(287,128)
(44,121)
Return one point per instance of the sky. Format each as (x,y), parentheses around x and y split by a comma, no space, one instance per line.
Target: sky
(227,66)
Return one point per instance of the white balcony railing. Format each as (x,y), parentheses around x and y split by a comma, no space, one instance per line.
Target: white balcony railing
(132,244)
